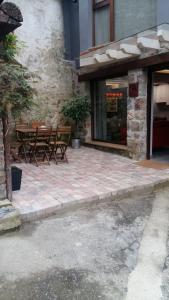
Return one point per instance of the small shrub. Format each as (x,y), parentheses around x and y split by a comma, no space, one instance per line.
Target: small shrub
(16,92)
(78,109)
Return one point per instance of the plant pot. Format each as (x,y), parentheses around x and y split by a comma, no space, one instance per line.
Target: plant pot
(75,143)
(16,175)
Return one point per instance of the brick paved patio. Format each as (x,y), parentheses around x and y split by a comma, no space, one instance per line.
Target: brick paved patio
(90,175)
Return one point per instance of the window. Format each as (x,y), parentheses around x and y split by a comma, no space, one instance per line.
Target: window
(110,110)
(103,29)
(133,16)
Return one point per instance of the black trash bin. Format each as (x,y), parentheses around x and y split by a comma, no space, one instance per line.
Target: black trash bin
(16,175)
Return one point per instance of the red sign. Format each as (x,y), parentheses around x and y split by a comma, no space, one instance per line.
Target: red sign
(133,90)
(114,95)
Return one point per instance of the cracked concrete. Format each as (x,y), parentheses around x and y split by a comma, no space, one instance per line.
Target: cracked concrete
(165,277)
(110,251)
(146,280)
(82,254)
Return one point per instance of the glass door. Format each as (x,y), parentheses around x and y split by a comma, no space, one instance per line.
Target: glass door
(110,110)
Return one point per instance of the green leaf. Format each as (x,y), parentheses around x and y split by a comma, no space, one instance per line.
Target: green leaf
(77,108)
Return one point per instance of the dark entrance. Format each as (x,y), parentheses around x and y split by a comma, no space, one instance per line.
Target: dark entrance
(158,114)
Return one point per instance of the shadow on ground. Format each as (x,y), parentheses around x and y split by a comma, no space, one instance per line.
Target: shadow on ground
(85,254)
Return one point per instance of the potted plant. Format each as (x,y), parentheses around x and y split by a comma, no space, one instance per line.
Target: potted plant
(77,109)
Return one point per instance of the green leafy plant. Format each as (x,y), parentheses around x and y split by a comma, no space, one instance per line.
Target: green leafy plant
(78,109)
(10,47)
(16,93)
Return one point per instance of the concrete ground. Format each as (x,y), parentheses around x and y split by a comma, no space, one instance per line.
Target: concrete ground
(109,251)
(91,175)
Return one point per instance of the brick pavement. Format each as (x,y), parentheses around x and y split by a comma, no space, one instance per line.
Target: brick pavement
(90,175)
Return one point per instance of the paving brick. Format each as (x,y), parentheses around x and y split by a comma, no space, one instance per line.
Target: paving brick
(90,175)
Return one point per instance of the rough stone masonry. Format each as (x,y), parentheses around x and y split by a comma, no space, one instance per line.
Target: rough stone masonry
(136,116)
(43,34)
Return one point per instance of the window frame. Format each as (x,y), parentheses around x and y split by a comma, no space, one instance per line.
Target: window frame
(100,5)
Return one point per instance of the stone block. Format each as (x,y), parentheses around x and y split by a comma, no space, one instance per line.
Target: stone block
(2,179)
(130,115)
(130,104)
(136,135)
(140,115)
(132,76)
(4,203)
(137,147)
(143,89)
(135,125)
(140,103)
(9,218)
(2,191)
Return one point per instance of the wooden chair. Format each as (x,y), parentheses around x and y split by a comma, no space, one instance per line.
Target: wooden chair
(40,145)
(61,142)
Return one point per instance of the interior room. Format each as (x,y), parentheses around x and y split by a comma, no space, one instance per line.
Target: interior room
(160,138)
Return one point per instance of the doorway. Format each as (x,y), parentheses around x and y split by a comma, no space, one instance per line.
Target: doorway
(160,116)
(110,110)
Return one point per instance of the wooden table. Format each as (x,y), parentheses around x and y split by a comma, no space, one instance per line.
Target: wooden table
(26,130)
(30,130)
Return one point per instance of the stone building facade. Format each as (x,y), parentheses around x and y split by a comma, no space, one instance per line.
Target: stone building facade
(43,53)
(126,40)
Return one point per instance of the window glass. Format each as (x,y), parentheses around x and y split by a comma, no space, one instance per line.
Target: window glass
(102,25)
(133,16)
(110,110)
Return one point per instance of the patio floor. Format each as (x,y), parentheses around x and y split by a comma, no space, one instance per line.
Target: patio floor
(90,175)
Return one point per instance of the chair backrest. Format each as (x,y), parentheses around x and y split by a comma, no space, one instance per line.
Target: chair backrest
(20,136)
(42,134)
(21,126)
(36,124)
(64,133)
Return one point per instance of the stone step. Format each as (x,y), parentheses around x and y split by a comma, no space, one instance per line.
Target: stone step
(9,218)
(4,203)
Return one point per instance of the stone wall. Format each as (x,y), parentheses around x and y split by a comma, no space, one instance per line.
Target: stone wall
(2,172)
(137,116)
(43,34)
